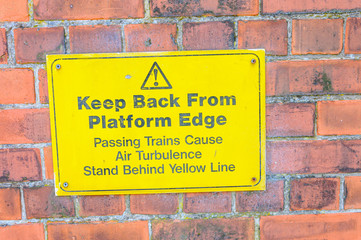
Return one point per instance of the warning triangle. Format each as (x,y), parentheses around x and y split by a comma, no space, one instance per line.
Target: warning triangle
(156,79)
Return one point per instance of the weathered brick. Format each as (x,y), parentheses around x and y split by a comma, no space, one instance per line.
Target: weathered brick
(352,192)
(101,205)
(262,201)
(313,77)
(99,230)
(10,206)
(208,35)
(207,202)
(87,9)
(3,47)
(17,86)
(32,44)
(150,37)
(339,117)
(24,126)
(20,165)
(42,203)
(308,157)
(48,159)
(315,193)
(339,226)
(353,35)
(234,228)
(15,10)
(29,231)
(317,36)
(95,39)
(154,204)
(43,86)
(165,8)
(274,6)
(293,119)
(270,35)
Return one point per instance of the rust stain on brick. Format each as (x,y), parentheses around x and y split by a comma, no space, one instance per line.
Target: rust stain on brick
(41,56)
(167,8)
(311,194)
(234,4)
(19,165)
(148,42)
(204,229)
(36,126)
(321,78)
(42,203)
(177,8)
(5,176)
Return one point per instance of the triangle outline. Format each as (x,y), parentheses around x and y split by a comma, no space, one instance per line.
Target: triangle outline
(155,64)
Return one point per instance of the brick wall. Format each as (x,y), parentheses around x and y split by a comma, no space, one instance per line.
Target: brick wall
(313,118)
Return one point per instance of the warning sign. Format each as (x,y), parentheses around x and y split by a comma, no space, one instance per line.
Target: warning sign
(132,123)
(156,79)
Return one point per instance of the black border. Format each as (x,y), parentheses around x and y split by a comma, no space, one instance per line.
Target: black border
(147,56)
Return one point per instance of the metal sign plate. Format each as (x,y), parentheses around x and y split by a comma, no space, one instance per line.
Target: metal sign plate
(132,123)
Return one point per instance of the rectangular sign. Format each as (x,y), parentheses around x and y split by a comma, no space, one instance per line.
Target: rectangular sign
(131,123)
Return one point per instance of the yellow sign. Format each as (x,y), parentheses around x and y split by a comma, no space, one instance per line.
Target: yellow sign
(132,123)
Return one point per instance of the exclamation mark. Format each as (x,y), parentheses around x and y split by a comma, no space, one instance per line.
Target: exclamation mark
(155,76)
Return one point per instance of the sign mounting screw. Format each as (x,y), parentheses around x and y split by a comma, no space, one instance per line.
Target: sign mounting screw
(254,179)
(65,184)
(58,66)
(253,61)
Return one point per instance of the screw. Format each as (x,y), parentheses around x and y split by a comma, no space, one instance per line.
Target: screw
(65,184)
(58,66)
(253,60)
(254,179)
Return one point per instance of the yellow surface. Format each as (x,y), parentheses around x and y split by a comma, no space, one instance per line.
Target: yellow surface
(109,112)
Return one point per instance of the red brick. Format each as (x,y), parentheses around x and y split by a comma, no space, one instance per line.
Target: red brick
(352,192)
(101,205)
(293,119)
(99,230)
(95,39)
(20,164)
(150,37)
(270,35)
(207,202)
(315,194)
(308,157)
(339,226)
(262,201)
(208,35)
(313,77)
(317,36)
(3,47)
(339,117)
(29,231)
(15,10)
(87,9)
(165,8)
(43,86)
(154,204)
(10,206)
(17,86)
(48,158)
(42,203)
(33,44)
(353,35)
(234,228)
(24,126)
(274,6)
